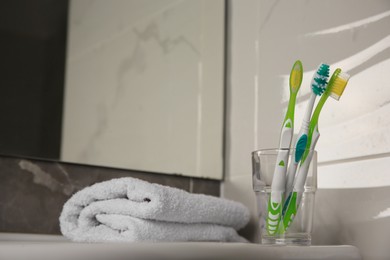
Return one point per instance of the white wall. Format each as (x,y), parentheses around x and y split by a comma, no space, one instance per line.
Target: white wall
(265,38)
(144,86)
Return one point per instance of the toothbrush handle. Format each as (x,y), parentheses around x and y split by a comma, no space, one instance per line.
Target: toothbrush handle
(304,168)
(300,147)
(291,176)
(275,203)
(293,201)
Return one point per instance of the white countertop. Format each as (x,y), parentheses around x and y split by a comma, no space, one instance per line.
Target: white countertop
(42,247)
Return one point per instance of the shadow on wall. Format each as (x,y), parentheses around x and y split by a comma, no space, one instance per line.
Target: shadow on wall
(359,217)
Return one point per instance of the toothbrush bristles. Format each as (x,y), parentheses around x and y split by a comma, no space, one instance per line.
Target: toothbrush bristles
(320,79)
(339,85)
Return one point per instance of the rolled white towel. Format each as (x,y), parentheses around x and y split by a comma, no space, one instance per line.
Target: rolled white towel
(129,209)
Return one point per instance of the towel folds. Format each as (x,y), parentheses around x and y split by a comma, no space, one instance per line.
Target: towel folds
(129,209)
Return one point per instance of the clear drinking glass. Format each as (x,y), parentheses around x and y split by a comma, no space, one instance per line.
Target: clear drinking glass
(300,230)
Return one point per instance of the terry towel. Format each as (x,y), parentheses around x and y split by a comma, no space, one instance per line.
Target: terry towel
(129,209)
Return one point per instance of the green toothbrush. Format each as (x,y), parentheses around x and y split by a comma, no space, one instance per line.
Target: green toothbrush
(335,89)
(276,198)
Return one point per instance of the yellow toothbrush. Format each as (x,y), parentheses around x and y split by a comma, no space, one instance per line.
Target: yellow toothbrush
(275,203)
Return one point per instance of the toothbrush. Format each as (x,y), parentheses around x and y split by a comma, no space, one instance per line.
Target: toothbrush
(336,86)
(276,198)
(318,85)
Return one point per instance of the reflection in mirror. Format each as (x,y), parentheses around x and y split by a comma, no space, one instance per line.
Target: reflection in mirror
(142,88)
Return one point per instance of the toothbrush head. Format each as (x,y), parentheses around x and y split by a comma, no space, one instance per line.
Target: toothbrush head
(296,76)
(337,83)
(320,79)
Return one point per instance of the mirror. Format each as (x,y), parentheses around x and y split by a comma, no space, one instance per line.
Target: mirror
(142,85)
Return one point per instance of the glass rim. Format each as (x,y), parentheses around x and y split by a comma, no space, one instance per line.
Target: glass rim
(276,150)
